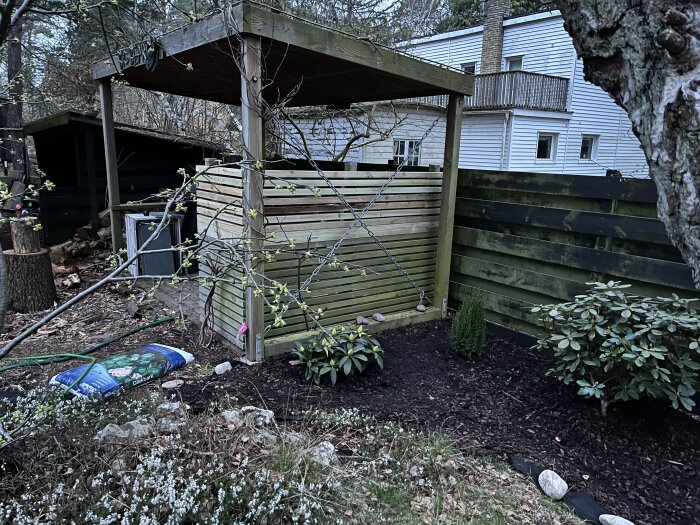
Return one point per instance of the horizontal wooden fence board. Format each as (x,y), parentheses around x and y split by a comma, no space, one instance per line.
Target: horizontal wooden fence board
(663,273)
(603,224)
(523,238)
(555,184)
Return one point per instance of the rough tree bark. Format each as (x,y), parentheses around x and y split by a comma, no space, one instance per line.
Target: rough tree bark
(646,55)
(30,284)
(15,82)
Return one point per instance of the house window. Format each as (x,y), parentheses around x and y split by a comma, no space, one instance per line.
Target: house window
(589,147)
(514,63)
(469,67)
(407,152)
(546,146)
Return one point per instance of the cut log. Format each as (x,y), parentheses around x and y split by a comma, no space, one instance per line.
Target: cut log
(30,286)
(25,237)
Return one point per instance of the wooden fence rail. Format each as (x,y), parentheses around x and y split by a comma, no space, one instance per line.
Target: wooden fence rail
(511,89)
(527,238)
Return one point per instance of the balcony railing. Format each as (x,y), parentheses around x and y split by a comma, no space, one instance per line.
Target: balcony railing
(512,89)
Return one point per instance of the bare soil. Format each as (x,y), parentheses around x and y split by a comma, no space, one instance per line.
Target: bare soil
(641,461)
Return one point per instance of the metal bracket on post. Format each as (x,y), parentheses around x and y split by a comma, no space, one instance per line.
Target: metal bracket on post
(444,307)
(258,347)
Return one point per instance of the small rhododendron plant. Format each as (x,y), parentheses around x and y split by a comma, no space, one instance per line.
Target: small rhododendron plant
(618,346)
(343,350)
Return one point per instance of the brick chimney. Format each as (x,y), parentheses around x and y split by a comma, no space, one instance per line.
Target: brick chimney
(492,45)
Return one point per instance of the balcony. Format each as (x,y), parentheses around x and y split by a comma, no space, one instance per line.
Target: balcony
(511,90)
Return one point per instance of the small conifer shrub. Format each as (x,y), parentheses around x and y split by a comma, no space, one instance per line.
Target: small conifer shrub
(469,327)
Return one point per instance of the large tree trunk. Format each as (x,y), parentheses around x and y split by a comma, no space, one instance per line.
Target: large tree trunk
(646,54)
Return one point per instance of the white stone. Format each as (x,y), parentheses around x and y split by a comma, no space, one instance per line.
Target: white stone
(129,432)
(420,308)
(222,368)
(610,519)
(552,484)
(232,417)
(361,320)
(323,453)
(262,416)
(378,317)
(172,384)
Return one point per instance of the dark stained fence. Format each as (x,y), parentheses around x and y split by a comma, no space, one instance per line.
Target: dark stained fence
(528,238)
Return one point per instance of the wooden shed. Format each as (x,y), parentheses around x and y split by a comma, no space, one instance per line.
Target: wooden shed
(70,152)
(250,56)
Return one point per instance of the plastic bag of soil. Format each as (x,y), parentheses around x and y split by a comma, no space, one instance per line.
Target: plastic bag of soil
(110,376)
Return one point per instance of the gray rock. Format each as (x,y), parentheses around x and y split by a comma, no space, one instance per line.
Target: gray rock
(378,317)
(173,384)
(222,368)
(552,484)
(289,436)
(264,438)
(232,417)
(420,308)
(129,432)
(610,519)
(362,320)
(323,453)
(262,417)
(169,425)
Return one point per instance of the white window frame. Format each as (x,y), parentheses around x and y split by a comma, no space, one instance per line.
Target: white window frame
(552,146)
(401,151)
(595,139)
(469,65)
(508,60)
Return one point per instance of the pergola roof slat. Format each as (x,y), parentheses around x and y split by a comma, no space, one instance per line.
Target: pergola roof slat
(319,65)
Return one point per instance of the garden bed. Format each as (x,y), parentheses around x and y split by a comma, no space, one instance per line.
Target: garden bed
(642,461)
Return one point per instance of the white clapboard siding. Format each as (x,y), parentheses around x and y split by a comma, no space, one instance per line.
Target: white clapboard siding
(453,49)
(545,48)
(543,43)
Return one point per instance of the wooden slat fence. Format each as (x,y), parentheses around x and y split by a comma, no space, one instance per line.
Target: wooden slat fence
(527,238)
(405,218)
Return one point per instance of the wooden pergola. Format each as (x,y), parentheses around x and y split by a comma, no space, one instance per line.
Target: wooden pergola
(246,55)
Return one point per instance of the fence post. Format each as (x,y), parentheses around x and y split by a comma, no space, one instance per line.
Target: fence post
(450,169)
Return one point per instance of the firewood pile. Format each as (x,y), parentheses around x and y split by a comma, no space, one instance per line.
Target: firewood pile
(85,242)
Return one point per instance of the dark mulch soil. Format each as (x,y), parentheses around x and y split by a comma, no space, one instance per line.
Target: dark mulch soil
(642,461)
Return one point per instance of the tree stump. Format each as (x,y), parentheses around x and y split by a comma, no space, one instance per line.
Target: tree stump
(30,286)
(25,238)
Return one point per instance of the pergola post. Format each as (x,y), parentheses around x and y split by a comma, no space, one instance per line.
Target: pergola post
(254,156)
(111,162)
(450,169)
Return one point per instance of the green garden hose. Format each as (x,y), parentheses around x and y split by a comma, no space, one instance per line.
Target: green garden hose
(58,358)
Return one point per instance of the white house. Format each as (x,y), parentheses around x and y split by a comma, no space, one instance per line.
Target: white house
(531,111)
